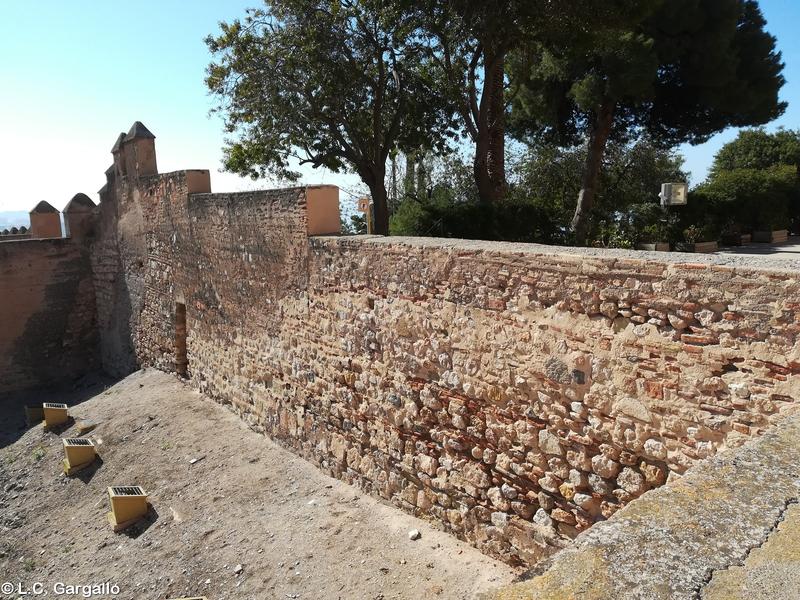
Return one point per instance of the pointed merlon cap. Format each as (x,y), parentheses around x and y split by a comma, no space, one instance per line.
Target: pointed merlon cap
(5,232)
(118,143)
(139,131)
(79,203)
(44,207)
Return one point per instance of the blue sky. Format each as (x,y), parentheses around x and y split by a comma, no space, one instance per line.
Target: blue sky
(77,73)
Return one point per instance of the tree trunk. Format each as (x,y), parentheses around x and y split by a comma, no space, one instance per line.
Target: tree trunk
(410,179)
(490,165)
(393,200)
(381,208)
(422,177)
(602,122)
(375,178)
(496,156)
(480,169)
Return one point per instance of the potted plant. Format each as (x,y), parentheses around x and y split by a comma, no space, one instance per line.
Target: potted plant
(653,238)
(771,236)
(693,236)
(772,216)
(649,226)
(732,235)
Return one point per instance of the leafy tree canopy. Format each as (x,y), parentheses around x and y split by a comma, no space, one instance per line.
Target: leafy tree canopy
(757,149)
(541,197)
(331,84)
(677,70)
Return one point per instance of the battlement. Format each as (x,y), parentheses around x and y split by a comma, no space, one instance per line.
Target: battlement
(135,153)
(45,219)
(15,233)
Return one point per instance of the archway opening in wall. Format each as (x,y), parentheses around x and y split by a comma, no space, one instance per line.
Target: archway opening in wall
(181,359)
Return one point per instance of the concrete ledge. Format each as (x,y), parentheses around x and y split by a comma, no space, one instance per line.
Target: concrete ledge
(731,261)
(672,541)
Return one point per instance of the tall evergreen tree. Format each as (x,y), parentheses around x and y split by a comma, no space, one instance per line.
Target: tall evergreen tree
(678,70)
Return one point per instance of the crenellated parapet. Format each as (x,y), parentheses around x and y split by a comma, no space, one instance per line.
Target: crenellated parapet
(45,221)
(79,216)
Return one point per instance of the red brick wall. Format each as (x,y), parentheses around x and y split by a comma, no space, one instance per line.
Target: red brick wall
(48,332)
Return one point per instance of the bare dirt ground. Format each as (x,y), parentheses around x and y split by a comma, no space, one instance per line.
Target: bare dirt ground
(248,520)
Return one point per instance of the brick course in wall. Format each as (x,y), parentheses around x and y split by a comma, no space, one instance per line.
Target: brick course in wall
(515,393)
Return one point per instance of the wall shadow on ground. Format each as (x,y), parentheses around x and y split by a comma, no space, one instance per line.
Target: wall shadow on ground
(13,424)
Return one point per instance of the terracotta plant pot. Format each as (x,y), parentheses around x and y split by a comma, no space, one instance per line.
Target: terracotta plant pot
(771,237)
(701,247)
(736,239)
(654,246)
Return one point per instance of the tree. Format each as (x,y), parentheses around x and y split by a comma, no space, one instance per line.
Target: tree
(471,41)
(630,178)
(680,71)
(337,84)
(355,225)
(757,149)
(755,180)
(540,199)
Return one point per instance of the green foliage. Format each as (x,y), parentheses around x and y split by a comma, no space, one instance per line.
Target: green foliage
(757,149)
(355,225)
(329,84)
(627,199)
(692,234)
(758,199)
(645,223)
(718,67)
(345,84)
(453,208)
(541,198)
(677,71)
(648,223)
(512,220)
(753,184)
(647,65)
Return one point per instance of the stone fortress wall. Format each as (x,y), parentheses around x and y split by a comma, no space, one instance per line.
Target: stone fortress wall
(516,394)
(48,332)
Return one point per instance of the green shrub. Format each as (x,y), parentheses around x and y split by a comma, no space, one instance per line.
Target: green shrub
(751,199)
(513,220)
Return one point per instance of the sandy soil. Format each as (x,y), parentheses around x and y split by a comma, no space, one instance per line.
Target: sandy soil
(246,506)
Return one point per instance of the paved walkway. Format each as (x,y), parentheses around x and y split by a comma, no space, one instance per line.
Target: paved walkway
(785,251)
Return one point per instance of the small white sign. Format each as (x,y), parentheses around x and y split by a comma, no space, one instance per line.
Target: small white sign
(674,194)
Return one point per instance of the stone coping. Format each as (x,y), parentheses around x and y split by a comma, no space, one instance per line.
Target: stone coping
(789,266)
(673,541)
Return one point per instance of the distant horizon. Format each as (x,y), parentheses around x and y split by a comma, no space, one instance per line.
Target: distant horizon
(14,218)
(64,103)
